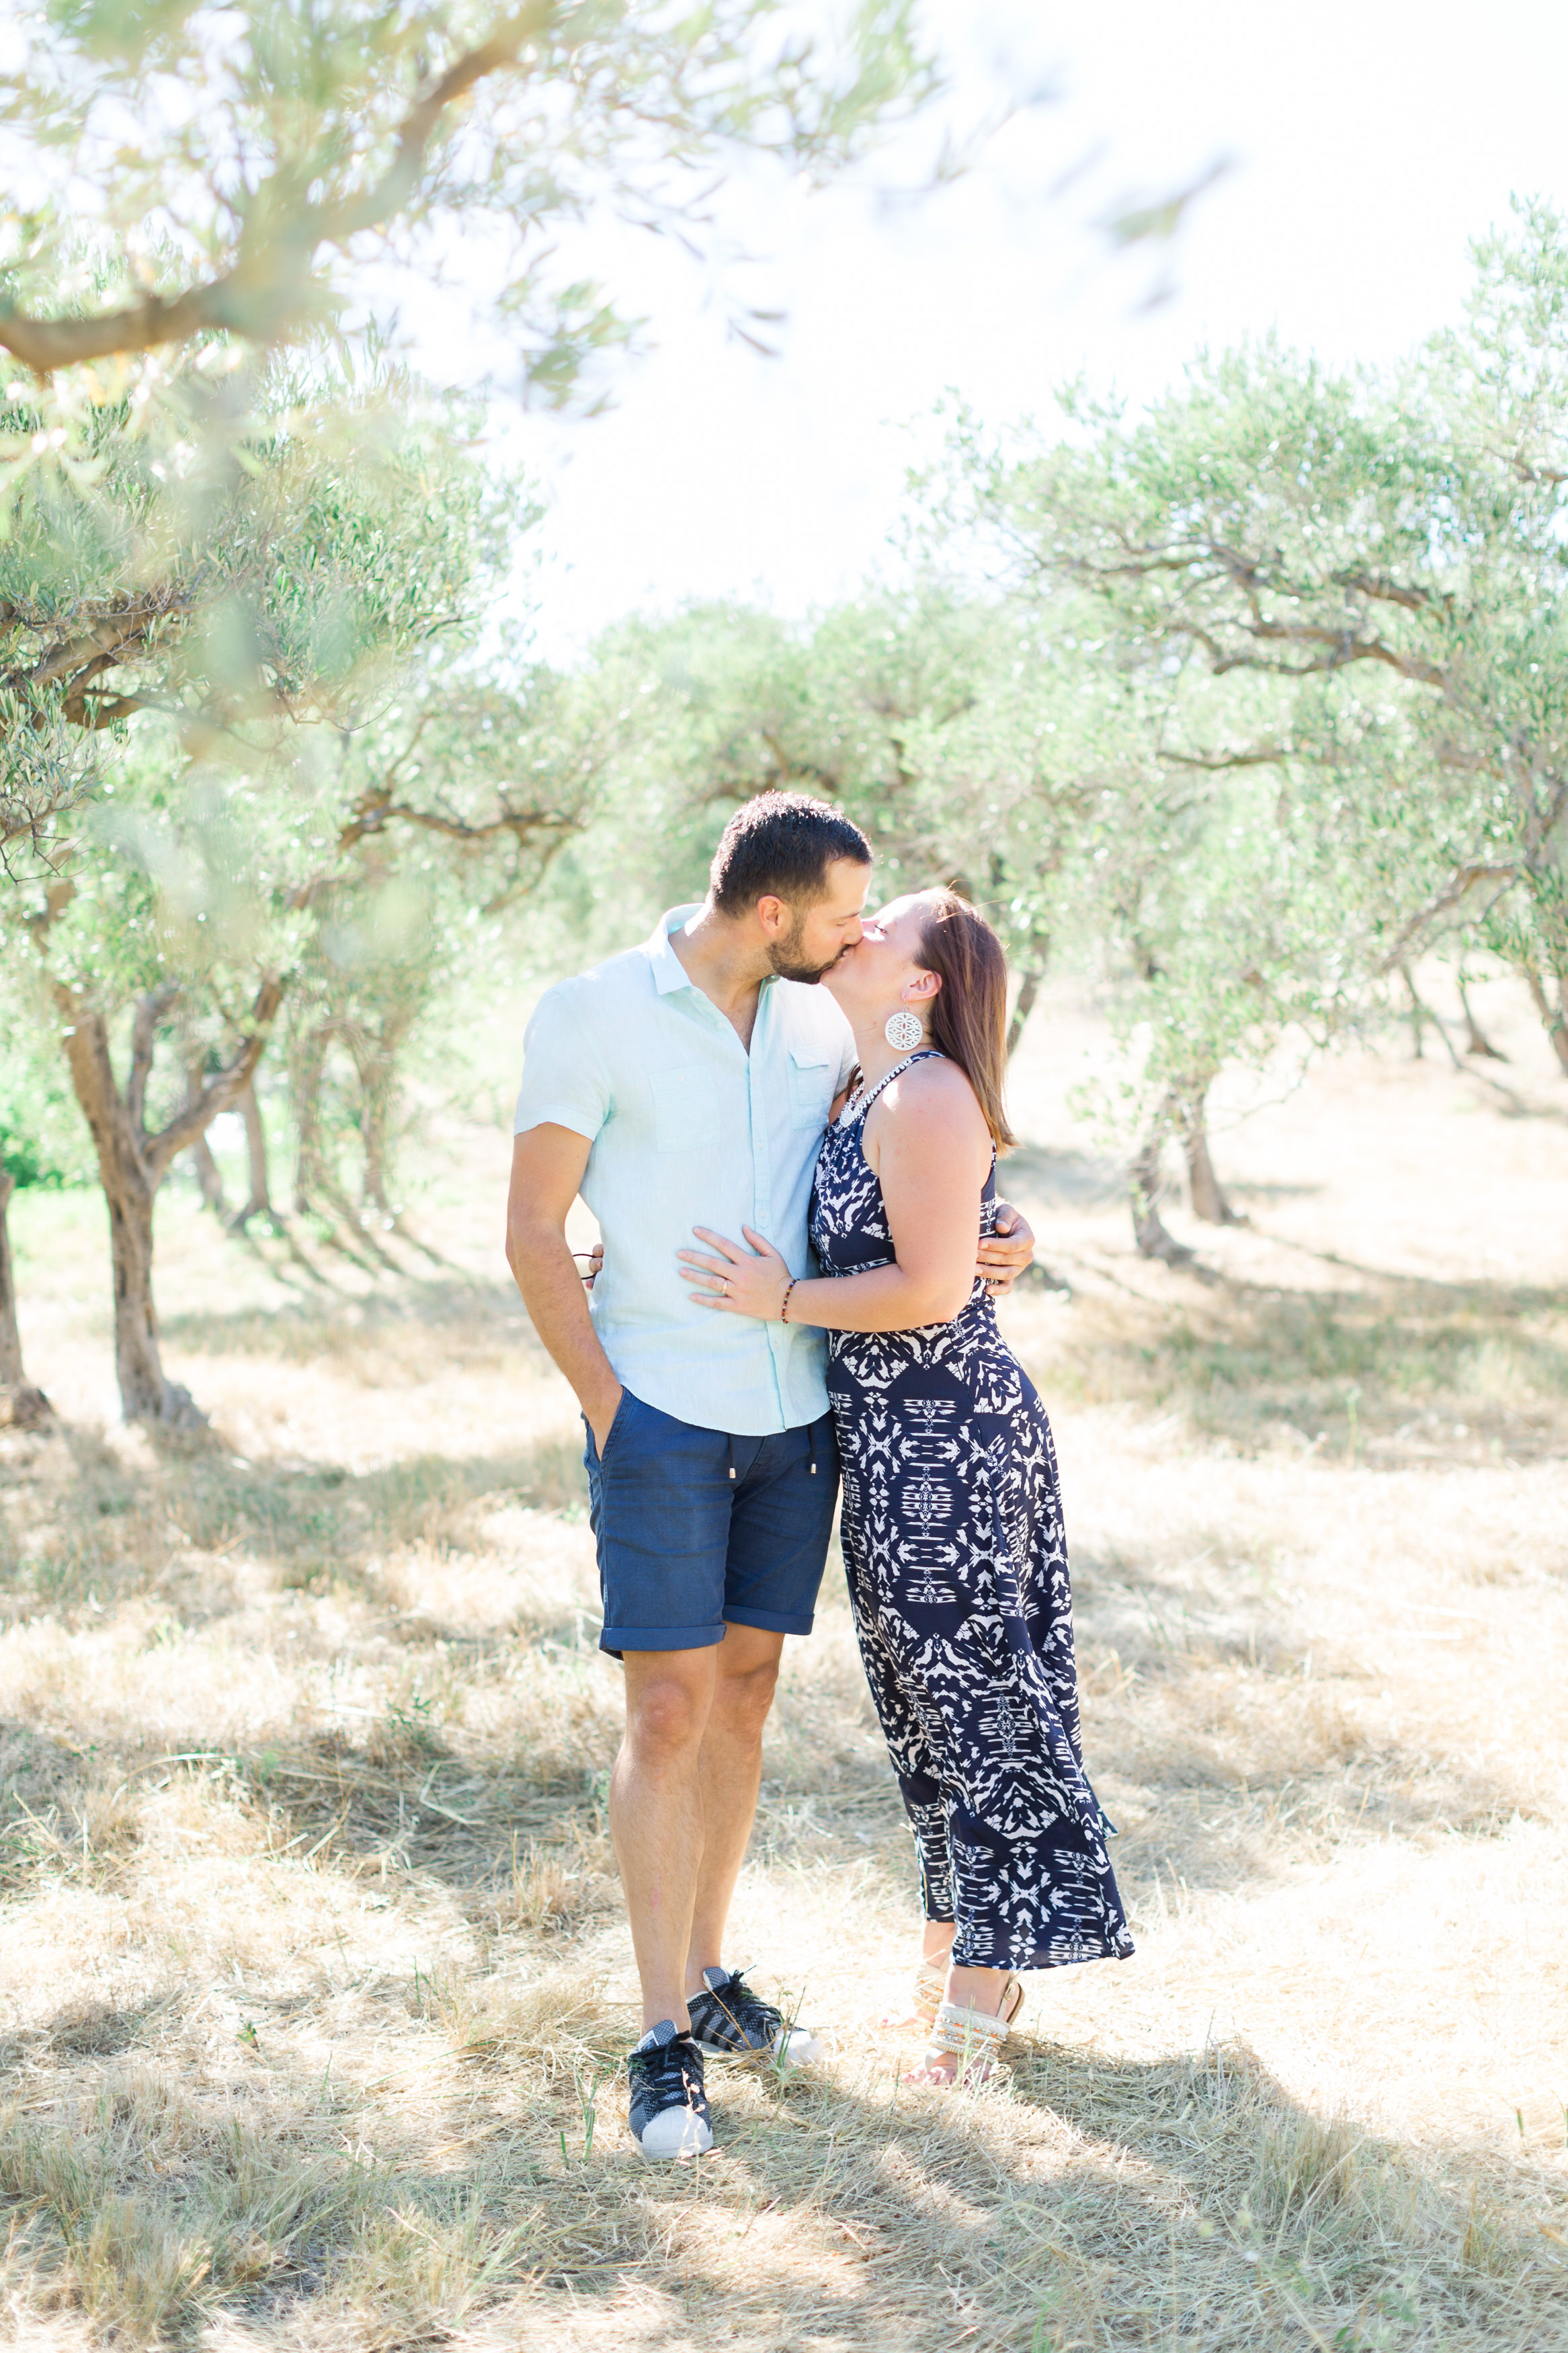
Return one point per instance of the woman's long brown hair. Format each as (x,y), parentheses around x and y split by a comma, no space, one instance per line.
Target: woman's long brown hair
(968,1014)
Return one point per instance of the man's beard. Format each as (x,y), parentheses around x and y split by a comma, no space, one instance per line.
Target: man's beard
(785,958)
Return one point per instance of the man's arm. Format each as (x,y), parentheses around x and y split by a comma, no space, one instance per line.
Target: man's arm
(548,1165)
(1005,1254)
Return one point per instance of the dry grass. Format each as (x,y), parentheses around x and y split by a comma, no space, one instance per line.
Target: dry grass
(314,1977)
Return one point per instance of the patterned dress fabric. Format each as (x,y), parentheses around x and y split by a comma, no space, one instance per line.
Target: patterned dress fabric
(958,1577)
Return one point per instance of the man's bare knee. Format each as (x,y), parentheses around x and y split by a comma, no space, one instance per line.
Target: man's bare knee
(666,1718)
(743,1700)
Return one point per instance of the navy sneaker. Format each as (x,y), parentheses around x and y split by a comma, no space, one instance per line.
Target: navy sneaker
(729,2022)
(670,2109)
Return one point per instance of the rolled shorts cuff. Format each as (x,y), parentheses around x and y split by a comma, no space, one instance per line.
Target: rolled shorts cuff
(616,1639)
(770,1621)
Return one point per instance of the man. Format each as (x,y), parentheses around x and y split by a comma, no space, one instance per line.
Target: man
(689,1082)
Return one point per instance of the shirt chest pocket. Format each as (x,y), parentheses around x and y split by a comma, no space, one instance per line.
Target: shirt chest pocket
(685,1109)
(810,1089)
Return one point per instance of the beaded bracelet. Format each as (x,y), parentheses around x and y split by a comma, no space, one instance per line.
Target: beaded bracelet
(784,1303)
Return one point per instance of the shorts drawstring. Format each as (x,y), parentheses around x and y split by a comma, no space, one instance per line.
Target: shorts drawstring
(730,1450)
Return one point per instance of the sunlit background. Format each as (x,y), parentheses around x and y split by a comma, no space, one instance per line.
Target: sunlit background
(1360,152)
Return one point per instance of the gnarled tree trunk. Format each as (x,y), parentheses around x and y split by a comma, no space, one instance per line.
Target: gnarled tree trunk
(1421,1013)
(1476,1039)
(130,1187)
(375,1056)
(1417,1014)
(1206,1193)
(22,1406)
(202,1161)
(307,1065)
(132,1161)
(1028,990)
(316,1185)
(1554,1016)
(1149,1228)
(258,1203)
(1032,962)
(10,1336)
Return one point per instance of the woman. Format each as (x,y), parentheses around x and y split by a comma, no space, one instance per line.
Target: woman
(952,1524)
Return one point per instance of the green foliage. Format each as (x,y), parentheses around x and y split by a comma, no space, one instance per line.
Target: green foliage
(303,747)
(1344,596)
(254,558)
(354,140)
(954,730)
(42,1139)
(450,806)
(176,524)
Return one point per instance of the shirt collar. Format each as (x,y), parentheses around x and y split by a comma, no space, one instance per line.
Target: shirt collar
(669,972)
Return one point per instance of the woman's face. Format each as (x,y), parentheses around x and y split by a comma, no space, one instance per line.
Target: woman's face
(882,970)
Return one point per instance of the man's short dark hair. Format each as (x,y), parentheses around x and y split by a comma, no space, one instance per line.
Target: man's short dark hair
(781,844)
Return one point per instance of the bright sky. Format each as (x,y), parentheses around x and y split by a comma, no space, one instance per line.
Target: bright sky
(1367,146)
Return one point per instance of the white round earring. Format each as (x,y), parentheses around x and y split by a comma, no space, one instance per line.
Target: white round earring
(902,1032)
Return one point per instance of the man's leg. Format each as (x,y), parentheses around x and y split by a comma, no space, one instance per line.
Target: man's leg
(657,1815)
(779,1532)
(746,1667)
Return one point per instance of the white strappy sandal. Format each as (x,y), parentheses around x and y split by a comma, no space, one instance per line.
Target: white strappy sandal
(973,2037)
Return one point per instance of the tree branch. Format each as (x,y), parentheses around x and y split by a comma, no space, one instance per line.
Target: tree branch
(254,299)
(1262,756)
(1383,590)
(400,179)
(1344,648)
(1459,890)
(194,1118)
(375,810)
(102,640)
(150,1011)
(107,708)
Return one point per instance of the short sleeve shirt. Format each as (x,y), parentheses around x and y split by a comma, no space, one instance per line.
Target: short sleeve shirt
(688,1128)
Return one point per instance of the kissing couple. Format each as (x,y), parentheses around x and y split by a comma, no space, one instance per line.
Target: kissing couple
(785,1115)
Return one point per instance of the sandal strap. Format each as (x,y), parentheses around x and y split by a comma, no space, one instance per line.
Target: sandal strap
(958,2030)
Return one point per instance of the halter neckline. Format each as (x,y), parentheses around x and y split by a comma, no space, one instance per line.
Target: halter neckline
(860,1104)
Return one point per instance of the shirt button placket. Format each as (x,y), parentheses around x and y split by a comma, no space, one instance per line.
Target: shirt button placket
(761,1169)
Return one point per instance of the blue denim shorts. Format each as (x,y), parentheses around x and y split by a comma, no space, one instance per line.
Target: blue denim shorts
(685,1550)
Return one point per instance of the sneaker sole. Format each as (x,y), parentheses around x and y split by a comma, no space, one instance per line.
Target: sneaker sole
(690,2136)
(801,2050)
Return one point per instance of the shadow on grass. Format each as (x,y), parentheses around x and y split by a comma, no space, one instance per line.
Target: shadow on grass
(448,1322)
(1224,1754)
(114,1529)
(1108,2203)
(1092,2203)
(1085,2202)
(1378,1364)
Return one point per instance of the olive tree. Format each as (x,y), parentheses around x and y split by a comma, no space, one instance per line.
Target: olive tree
(331,544)
(451,807)
(338,152)
(1361,583)
(208,182)
(951,726)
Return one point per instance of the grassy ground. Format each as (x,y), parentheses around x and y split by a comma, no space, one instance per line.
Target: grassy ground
(314,1981)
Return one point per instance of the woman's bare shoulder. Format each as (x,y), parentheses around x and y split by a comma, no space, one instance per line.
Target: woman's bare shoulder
(934,1092)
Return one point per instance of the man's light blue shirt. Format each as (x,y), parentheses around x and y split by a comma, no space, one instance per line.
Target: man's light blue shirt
(688,1129)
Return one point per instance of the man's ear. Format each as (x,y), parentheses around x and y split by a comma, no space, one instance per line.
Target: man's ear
(773,914)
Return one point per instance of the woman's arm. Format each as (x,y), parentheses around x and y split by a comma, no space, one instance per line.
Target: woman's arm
(932,1153)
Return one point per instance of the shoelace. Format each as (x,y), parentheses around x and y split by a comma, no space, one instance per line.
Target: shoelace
(736,2000)
(663,2069)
